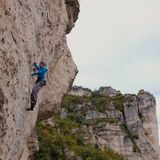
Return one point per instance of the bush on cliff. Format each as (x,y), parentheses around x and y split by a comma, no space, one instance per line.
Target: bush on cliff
(101,102)
(54,140)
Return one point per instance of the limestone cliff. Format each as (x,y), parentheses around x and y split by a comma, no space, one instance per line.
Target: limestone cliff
(125,123)
(31,30)
(105,119)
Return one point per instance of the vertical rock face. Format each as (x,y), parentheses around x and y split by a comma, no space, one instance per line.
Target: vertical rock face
(30,31)
(125,123)
(140,116)
(147,114)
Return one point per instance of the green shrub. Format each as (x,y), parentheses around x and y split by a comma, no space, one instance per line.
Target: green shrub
(118,102)
(70,102)
(53,140)
(95,122)
(95,94)
(76,117)
(89,152)
(65,125)
(68,132)
(100,102)
(49,147)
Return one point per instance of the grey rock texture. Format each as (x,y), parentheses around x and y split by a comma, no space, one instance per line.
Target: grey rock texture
(70,155)
(73,12)
(79,91)
(108,91)
(30,30)
(49,122)
(63,113)
(33,145)
(127,124)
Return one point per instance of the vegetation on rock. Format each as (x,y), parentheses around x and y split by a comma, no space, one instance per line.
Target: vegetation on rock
(54,140)
(92,126)
(99,101)
(68,132)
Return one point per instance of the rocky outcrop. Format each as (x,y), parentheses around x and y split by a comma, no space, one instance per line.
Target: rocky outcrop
(80,91)
(125,123)
(108,91)
(30,31)
(73,12)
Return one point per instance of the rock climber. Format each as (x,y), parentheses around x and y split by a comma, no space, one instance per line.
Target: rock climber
(39,71)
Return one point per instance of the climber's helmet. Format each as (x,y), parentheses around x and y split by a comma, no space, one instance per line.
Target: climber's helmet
(42,64)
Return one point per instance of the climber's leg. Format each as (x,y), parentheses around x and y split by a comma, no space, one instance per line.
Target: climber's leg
(34,94)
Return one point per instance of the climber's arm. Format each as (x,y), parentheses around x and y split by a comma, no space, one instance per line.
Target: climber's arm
(36,66)
(40,71)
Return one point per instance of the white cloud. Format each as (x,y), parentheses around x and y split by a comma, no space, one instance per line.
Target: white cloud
(117,42)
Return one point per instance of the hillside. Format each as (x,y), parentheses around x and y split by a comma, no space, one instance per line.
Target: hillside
(101,125)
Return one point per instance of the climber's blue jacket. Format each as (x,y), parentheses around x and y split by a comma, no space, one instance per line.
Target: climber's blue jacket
(40,73)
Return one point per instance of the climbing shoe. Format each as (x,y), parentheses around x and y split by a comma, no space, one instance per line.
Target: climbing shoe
(32,107)
(29,109)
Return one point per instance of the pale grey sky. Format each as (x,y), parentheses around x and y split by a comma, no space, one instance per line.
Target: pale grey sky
(116,43)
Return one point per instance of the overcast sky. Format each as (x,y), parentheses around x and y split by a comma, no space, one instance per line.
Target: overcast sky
(117,43)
